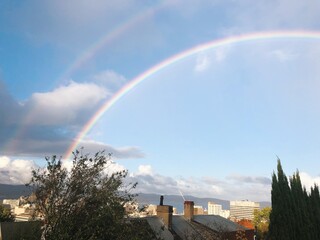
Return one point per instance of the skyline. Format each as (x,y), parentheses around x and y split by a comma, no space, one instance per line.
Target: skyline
(187,109)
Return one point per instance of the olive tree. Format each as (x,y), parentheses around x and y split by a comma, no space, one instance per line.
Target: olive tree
(5,214)
(84,202)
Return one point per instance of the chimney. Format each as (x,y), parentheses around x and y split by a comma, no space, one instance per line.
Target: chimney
(161,200)
(165,212)
(188,210)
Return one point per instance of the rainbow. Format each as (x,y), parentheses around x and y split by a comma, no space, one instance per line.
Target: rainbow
(178,57)
(94,49)
(111,36)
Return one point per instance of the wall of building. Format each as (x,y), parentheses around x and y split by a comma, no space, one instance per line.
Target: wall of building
(242,209)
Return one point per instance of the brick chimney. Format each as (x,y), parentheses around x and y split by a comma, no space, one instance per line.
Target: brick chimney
(165,212)
(188,210)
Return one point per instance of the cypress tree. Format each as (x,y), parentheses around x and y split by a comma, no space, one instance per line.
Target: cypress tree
(302,222)
(312,228)
(281,220)
(274,216)
(295,214)
(314,200)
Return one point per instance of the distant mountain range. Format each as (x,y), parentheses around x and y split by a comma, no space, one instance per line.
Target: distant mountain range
(177,201)
(15,191)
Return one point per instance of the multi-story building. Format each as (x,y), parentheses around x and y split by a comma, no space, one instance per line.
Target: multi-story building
(12,202)
(225,213)
(198,210)
(216,209)
(243,209)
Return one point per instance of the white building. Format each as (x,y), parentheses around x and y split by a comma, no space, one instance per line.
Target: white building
(216,209)
(225,213)
(242,209)
(12,202)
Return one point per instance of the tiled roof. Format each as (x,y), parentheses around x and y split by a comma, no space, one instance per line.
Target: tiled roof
(218,223)
(182,227)
(158,228)
(204,227)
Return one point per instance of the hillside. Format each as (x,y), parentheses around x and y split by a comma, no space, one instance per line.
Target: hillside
(15,191)
(177,201)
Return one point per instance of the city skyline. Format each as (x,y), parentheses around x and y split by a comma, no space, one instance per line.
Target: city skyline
(196,98)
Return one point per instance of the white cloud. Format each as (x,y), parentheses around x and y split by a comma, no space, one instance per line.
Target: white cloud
(206,60)
(110,79)
(202,62)
(144,170)
(15,171)
(275,14)
(283,55)
(47,123)
(92,146)
(240,179)
(65,104)
(18,171)
(309,181)
(113,167)
(221,53)
(234,188)
(256,188)
(67,163)
(4,161)
(110,167)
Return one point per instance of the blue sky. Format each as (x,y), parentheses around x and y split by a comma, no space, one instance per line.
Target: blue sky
(211,125)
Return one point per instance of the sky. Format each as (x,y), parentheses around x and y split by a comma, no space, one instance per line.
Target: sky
(148,82)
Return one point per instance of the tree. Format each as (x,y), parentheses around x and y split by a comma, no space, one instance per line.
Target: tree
(83,203)
(5,214)
(295,213)
(261,219)
(300,210)
(281,217)
(314,210)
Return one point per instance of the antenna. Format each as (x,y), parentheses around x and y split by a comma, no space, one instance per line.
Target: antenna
(182,195)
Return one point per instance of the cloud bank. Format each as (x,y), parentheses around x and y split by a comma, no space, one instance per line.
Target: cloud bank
(18,171)
(233,187)
(47,122)
(240,187)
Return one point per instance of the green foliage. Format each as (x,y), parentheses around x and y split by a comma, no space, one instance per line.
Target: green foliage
(261,219)
(281,218)
(295,213)
(314,210)
(83,203)
(5,214)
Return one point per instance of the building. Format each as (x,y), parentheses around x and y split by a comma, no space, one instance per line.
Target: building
(191,226)
(12,202)
(216,209)
(225,213)
(198,210)
(242,209)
